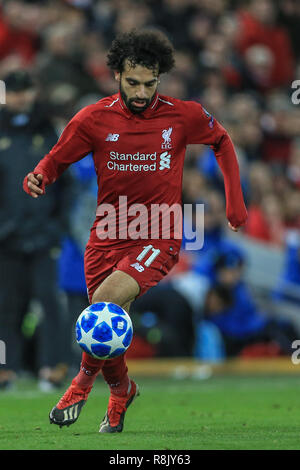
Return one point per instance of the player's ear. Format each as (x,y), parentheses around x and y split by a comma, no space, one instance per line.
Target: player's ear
(118,76)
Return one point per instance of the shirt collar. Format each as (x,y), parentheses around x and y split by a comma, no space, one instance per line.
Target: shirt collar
(145,114)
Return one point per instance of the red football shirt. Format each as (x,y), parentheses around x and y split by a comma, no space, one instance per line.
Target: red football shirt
(140,157)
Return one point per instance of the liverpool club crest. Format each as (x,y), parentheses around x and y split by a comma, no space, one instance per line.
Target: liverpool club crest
(166,135)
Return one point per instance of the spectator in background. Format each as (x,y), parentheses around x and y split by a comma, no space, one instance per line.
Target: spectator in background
(18,38)
(174,17)
(274,204)
(174,85)
(195,271)
(289,281)
(62,61)
(280,124)
(164,320)
(125,20)
(215,239)
(230,306)
(265,46)
(293,169)
(244,111)
(29,233)
(94,62)
(289,17)
(266,221)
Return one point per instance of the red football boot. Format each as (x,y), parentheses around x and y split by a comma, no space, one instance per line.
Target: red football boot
(113,420)
(68,408)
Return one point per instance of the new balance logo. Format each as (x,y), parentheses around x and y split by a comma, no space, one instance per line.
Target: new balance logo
(138,267)
(71,413)
(165,158)
(112,137)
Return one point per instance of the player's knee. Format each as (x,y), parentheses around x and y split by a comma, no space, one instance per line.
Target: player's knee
(119,288)
(102,297)
(107,295)
(99,297)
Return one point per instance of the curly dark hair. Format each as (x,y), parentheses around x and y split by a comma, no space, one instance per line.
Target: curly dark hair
(147,48)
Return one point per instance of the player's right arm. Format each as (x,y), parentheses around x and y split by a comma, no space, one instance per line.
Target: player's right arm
(75,143)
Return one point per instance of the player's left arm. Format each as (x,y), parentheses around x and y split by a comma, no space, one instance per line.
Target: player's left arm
(202,128)
(236,211)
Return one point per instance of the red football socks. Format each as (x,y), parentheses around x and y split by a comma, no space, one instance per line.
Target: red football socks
(115,374)
(89,369)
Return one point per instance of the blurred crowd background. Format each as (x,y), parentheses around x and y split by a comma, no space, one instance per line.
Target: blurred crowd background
(239,295)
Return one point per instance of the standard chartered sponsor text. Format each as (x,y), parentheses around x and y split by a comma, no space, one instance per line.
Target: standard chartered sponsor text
(117,160)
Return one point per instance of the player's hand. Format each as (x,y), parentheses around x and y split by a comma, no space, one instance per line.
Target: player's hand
(238,218)
(34,184)
(234,229)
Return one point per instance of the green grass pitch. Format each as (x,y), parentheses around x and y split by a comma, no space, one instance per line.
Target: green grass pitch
(218,413)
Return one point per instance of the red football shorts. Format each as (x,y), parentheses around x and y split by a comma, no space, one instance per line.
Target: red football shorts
(147,262)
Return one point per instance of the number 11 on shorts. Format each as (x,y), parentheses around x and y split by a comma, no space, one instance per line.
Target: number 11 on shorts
(146,250)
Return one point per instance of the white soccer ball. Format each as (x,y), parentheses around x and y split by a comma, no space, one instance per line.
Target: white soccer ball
(104,330)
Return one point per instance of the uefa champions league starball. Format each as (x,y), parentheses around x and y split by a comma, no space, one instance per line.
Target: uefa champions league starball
(104,330)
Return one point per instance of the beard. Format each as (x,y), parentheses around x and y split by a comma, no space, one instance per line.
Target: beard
(129,102)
